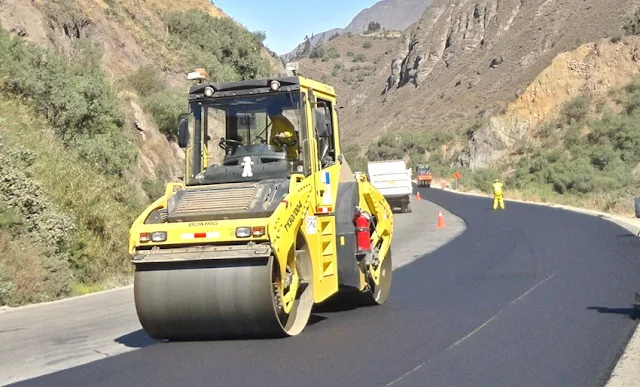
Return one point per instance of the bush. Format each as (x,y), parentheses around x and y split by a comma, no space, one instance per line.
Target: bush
(386,148)
(226,50)
(147,80)
(317,52)
(64,154)
(373,27)
(332,53)
(631,24)
(366,45)
(596,167)
(74,95)
(359,58)
(41,220)
(576,110)
(165,108)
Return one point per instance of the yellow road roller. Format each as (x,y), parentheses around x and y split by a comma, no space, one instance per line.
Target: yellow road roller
(268,220)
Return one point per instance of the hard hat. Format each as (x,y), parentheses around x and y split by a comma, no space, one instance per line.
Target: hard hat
(497,180)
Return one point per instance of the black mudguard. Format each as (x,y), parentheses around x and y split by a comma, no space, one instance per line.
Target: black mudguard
(346,202)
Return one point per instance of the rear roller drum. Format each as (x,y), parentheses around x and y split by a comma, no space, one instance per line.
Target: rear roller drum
(224,299)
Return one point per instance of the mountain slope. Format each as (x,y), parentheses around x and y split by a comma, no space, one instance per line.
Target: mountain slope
(90,92)
(395,15)
(465,60)
(391,14)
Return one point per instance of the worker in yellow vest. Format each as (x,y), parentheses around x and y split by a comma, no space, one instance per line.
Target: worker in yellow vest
(497,195)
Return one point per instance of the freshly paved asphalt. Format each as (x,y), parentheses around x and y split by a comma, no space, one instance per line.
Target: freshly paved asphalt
(531,296)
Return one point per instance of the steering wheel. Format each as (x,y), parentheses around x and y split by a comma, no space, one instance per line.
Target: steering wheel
(225,143)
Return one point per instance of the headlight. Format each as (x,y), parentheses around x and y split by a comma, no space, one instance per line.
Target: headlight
(208,91)
(243,232)
(275,85)
(157,236)
(246,232)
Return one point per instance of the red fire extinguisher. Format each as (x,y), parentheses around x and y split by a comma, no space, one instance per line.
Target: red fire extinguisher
(362,221)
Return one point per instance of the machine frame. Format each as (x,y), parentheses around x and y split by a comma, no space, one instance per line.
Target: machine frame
(308,238)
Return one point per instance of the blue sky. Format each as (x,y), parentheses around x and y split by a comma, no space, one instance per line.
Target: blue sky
(287,22)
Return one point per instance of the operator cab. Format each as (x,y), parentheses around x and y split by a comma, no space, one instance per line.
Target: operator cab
(423,169)
(242,138)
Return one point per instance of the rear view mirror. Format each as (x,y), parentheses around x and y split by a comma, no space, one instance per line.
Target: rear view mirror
(183,133)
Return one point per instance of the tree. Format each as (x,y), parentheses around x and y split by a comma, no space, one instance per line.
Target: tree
(373,27)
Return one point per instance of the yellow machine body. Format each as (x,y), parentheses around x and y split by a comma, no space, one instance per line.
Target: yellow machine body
(223,253)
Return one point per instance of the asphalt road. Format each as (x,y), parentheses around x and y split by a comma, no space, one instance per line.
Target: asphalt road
(532,296)
(46,338)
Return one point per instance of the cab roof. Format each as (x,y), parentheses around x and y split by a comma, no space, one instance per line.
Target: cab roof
(258,86)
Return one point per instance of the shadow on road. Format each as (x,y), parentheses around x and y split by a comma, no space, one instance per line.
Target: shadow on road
(140,339)
(627,235)
(136,339)
(315,318)
(633,312)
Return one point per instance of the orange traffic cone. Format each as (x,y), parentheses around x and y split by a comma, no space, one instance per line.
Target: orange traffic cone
(418,196)
(441,223)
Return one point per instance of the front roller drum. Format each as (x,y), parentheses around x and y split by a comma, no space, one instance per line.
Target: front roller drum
(220,299)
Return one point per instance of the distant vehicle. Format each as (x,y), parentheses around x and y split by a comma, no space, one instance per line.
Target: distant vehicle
(423,175)
(393,180)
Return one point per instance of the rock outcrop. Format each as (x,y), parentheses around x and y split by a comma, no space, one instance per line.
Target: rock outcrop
(468,59)
(592,69)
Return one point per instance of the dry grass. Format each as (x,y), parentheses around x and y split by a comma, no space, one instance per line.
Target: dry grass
(168,6)
(23,266)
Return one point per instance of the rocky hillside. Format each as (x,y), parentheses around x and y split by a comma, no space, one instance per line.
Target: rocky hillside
(394,15)
(572,136)
(89,96)
(466,60)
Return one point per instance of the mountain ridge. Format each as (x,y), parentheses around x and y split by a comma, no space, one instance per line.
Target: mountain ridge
(396,15)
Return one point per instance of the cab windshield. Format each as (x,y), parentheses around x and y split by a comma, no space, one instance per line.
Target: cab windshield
(245,138)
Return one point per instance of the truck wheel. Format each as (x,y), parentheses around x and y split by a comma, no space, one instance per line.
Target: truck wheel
(428,184)
(408,208)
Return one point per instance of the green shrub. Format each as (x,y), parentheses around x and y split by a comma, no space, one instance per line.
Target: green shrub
(597,166)
(576,110)
(366,44)
(226,50)
(165,108)
(147,80)
(75,97)
(359,58)
(631,24)
(373,27)
(64,154)
(332,53)
(42,221)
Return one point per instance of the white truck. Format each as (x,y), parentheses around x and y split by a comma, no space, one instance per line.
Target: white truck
(393,180)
